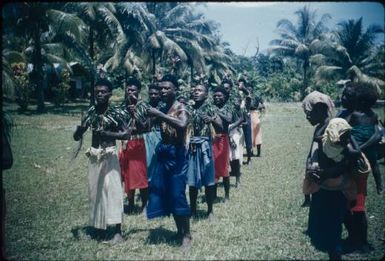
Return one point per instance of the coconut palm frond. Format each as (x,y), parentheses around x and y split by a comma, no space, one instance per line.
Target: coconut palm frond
(63,22)
(51,59)
(170,46)
(328,73)
(318,59)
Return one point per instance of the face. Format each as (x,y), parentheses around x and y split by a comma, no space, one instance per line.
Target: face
(313,116)
(227,87)
(219,98)
(132,91)
(199,93)
(167,90)
(153,95)
(344,138)
(102,94)
(348,98)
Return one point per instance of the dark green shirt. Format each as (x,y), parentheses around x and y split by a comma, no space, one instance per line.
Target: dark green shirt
(140,116)
(111,120)
(199,127)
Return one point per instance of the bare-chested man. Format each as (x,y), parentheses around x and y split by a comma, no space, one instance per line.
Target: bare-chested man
(167,181)
(221,145)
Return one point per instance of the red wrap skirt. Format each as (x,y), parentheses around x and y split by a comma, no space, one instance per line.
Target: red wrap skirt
(133,165)
(221,153)
(361,182)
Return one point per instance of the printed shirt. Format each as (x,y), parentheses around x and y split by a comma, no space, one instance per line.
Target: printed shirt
(111,120)
(199,127)
(139,116)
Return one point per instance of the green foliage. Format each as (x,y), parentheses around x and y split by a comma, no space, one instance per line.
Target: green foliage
(23,88)
(61,90)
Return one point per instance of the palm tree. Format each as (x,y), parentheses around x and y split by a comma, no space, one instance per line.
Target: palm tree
(296,39)
(350,53)
(36,20)
(105,33)
(8,82)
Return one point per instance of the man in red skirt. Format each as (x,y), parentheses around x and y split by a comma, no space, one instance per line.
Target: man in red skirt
(221,145)
(132,156)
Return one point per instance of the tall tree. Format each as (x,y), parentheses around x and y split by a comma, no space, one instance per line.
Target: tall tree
(35,21)
(350,53)
(105,33)
(296,39)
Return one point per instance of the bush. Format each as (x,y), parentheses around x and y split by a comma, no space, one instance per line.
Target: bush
(60,91)
(23,88)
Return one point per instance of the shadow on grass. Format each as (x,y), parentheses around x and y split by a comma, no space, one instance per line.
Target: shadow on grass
(89,232)
(161,235)
(136,210)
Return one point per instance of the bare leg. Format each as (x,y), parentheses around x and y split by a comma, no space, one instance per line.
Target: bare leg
(226,185)
(131,200)
(144,198)
(306,202)
(193,193)
(209,192)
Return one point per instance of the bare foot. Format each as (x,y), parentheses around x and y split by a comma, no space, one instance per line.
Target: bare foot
(115,240)
(186,243)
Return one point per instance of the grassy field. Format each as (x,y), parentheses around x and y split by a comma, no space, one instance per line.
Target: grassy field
(47,200)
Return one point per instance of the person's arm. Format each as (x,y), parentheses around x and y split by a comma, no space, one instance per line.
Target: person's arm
(80,130)
(118,135)
(237,123)
(225,116)
(373,140)
(353,150)
(215,120)
(179,123)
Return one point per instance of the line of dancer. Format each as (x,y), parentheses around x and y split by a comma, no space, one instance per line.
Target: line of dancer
(166,145)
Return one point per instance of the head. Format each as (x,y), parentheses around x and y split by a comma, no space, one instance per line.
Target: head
(199,93)
(227,85)
(366,97)
(103,91)
(317,107)
(153,94)
(349,97)
(168,87)
(133,87)
(338,132)
(242,82)
(220,96)
(318,114)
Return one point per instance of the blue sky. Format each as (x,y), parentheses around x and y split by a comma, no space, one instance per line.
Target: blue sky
(242,23)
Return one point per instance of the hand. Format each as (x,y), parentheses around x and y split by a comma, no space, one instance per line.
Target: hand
(153,112)
(100,132)
(207,119)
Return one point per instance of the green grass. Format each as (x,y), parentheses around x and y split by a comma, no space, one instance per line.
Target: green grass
(47,200)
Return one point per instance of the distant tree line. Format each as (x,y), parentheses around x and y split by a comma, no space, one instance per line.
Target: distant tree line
(148,39)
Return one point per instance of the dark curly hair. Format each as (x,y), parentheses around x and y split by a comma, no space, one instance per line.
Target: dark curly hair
(133,81)
(170,78)
(366,95)
(104,82)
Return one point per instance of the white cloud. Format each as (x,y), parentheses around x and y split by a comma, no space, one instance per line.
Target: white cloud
(243,4)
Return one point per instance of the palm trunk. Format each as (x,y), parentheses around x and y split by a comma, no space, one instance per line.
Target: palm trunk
(91,51)
(38,70)
(153,62)
(191,72)
(305,79)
